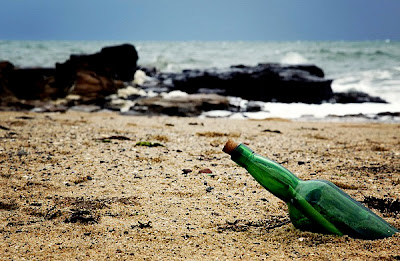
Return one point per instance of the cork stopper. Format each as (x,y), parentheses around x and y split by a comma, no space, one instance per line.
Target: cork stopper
(230,146)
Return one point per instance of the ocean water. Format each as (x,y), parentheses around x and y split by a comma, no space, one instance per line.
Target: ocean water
(372,67)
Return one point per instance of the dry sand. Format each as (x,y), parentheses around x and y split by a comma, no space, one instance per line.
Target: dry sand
(75,186)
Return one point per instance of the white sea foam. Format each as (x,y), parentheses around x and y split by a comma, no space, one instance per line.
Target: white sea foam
(377,82)
(301,110)
(294,58)
(216,114)
(174,94)
(297,110)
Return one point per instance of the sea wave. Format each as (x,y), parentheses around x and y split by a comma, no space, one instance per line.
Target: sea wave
(384,83)
(355,111)
(357,53)
(294,58)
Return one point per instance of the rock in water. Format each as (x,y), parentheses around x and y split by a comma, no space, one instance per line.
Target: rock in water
(264,82)
(355,97)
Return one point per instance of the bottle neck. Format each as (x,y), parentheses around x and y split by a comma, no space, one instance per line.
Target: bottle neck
(272,176)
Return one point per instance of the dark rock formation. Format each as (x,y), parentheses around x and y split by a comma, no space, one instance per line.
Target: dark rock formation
(17,85)
(390,114)
(264,82)
(33,83)
(254,106)
(91,76)
(190,105)
(115,62)
(94,88)
(5,70)
(355,97)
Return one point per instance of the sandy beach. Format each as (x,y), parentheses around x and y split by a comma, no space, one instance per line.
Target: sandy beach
(79,186)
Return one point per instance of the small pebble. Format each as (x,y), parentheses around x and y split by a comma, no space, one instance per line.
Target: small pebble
(186,171)
(207,171)
(21,153)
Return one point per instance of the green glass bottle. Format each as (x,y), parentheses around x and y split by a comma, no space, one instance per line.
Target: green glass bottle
(314,205)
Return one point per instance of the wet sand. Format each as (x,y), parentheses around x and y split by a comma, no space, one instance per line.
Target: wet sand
(76,186)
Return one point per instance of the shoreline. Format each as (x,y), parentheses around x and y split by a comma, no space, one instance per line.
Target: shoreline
(76,185)
(382,117)
(111,79)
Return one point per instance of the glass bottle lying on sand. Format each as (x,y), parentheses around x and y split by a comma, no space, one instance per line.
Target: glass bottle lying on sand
(314,205)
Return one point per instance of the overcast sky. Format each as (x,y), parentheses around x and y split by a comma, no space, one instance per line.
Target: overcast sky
(177,20)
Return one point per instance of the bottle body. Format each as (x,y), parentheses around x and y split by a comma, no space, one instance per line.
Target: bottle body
(315,205)
(347,215)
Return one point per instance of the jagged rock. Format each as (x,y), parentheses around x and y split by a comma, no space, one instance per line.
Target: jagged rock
(97,75)
(149,71)
(188,105)
(33,83)
(92,77)
(254,106)
(390,114)
(92,87)
(5,70)
(264,82)
(27,83)
(115,62)
(355,97)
